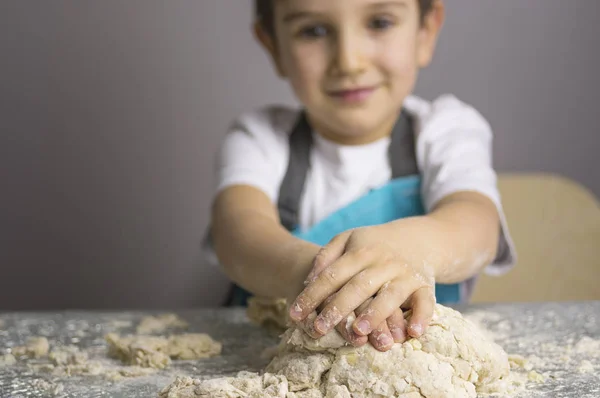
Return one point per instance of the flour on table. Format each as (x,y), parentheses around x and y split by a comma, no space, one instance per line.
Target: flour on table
(453,358)
(157,352)
(160,323)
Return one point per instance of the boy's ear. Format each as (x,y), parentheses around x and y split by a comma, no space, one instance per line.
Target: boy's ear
(267,41)
(429,33)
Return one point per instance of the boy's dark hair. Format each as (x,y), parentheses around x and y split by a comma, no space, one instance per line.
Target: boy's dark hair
(263,10)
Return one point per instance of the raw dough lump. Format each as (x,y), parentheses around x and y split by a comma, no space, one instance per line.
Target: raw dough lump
(157,352)
(453,358)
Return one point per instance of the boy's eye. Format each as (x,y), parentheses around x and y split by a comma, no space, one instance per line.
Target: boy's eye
(314,31)
(380,23)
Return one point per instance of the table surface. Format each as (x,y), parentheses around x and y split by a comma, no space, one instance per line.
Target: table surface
(561,339)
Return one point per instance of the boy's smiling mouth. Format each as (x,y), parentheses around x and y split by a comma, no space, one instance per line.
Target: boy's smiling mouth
(353,95)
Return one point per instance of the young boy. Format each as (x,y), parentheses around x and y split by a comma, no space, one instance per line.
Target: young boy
(368,199)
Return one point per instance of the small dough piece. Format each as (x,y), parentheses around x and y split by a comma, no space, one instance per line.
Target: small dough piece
(245,384)
(7,360)
(535,376)
(144,351)
(35,347)
(193,346)
(160,323)
(585,367)
(157,352)
(269,313)
(453,358)
(68,355)
(47,386)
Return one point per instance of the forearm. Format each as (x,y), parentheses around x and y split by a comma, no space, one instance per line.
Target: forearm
(457,239)
(258,254)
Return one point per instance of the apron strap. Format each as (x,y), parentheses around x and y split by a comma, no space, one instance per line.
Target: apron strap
(401,153)
(290,190)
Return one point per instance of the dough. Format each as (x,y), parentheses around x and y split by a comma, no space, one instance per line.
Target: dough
(157,352)
(270,313)
(160,323)
(47,386)
(68,355)
(35,347)
(452,359)
(7,360)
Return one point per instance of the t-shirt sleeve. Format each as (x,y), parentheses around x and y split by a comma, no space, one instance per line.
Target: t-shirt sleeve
(454,148)
(253,152)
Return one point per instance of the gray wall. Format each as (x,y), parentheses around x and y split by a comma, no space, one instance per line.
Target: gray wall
(111,112)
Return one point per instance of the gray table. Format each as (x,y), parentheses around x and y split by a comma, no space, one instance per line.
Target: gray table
(563,337)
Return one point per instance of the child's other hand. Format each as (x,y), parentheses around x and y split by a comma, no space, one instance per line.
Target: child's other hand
(364,271)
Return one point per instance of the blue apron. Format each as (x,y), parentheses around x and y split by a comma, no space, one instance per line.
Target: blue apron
(399,198)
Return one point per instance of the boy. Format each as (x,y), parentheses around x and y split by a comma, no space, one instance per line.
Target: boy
(368,200)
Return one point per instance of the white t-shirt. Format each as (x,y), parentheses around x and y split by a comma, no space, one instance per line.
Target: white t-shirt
(453,149)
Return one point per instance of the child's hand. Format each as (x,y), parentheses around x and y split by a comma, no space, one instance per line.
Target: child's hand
(367,263)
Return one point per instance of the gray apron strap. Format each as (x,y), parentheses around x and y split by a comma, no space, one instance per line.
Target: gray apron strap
(292,186)
(401,153)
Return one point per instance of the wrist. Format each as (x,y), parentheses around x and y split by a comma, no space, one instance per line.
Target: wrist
(425,241)
(300,258)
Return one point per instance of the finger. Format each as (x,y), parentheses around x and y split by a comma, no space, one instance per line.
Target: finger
(345,329)
(330,281)
(308,324)
(388,299)
(397,325)
(353,294)
(423,303)
(327,255)
(381,338)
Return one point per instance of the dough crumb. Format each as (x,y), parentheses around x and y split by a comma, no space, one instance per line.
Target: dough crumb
(35,347)
(160,323)
(269,313)
(7,360)
(453,358)
(157,352)
(585,367)
(47,386)
(535,376)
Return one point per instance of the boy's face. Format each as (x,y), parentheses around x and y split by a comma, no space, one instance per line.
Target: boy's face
(352,62)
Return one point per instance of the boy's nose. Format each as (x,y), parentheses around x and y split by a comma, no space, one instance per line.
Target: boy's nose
(348,55)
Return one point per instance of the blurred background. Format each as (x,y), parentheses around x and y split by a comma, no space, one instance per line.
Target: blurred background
(111,113)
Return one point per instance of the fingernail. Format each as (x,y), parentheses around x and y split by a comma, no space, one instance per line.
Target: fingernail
(398,335)
(417,328)
(363,326)
(385,340)
(295,312)
(321,326)
(358,341)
